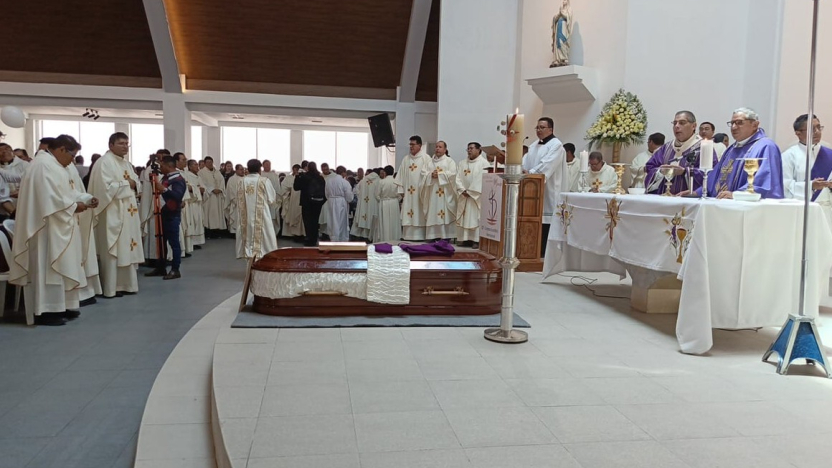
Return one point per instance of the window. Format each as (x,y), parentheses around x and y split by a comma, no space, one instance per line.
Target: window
(93,136)
(239,144)
(348,149)
(196,143)
(145,139)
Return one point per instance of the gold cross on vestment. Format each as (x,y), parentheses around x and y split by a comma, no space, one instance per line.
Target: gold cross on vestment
(364,217)
(441,214)
(369,182)
(467,172)
(413,167)
(133,244)
(440,192)
(366,199)
(249,190)
(410,213)
(126,175)
(411,190)
(72,184)
(596,184)
(132,210)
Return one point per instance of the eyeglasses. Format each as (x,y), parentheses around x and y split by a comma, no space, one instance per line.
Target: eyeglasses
(816,129)
(540,128)
(679,122)
(738,123)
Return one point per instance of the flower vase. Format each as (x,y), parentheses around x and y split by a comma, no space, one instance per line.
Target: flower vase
(616,152)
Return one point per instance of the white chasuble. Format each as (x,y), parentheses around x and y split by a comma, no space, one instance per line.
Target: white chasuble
(338,197)
(548,157)
(275,209)
(469,187)
(195,228)
(232,210)
(47,249)
(366,210)
(213,204)
(255,234)
(151,239)
(86,224)
(290,208)
(604,180)
(438,198)
(118,234)
(323,219)
(389,224)
(409,182)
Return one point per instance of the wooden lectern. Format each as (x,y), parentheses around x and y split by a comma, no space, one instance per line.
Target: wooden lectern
(529,224)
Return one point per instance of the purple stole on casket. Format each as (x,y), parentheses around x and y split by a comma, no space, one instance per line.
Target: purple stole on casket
(822,167)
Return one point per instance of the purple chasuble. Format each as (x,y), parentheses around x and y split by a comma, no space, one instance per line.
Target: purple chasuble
(728,174)
(665,156)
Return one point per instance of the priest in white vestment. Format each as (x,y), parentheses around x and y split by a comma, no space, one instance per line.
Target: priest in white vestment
(213,204)
(323,220)
(290,206)
(409,182)
(602,177)
(338,197)
(638,168)
(47,249)
(86,225)
(196,228)
(185,212)
(438,195)
(13,166)
(546,156)
(469,187)
(148,209)
(389,225)
(118,234)
(366,210)
(573,168)
(794,166)
(255,234)
(232,211)
(274,178)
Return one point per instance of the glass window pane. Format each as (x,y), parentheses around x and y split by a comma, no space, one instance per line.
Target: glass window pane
(239,144)
(274,144)
(145,139)
(53,128)
(196,142)
(95,138)
(352,150)
(319,146)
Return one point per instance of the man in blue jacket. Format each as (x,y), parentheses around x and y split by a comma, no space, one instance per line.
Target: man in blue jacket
(173,188)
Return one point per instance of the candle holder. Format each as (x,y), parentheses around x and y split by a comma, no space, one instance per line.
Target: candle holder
(506,334)
(705,183)
(583,184)
(619,172)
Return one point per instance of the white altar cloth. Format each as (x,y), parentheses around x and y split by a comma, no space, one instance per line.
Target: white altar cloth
(739,262)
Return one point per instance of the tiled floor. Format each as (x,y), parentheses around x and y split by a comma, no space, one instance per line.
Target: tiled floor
(73,396)
(597,386)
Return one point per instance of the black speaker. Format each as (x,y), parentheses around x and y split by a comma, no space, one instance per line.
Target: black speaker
(382,130)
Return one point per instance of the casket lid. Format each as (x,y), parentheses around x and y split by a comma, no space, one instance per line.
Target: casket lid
(306,260)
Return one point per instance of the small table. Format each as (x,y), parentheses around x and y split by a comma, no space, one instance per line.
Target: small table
(739,262)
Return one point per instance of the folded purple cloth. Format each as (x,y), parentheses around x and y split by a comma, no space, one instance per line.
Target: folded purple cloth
(384,248)
(440,247)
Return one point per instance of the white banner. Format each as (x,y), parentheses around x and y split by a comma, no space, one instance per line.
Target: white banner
(491,204)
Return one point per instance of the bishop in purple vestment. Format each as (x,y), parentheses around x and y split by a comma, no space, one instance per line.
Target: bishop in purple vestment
(686,144)
(751,141)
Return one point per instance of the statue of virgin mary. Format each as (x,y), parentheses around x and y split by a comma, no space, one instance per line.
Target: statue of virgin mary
(561,35)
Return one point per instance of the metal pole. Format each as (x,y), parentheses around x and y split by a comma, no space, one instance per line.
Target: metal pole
(505,334)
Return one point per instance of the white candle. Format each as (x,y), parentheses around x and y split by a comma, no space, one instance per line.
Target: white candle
(706,155)
(514,137)
(584,161)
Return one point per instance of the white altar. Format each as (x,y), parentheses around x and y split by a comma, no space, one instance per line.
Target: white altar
(739,262)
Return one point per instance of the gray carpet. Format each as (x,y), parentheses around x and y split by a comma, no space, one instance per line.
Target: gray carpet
(255,320)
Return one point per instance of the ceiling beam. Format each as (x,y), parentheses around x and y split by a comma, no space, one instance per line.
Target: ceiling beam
(204,119)
(157,19)
(416,33)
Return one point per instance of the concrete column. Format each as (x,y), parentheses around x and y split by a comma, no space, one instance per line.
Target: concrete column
(177,121)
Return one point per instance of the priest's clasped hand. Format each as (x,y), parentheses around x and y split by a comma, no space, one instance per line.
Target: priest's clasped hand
(725,195)
(819,184)
(132,184)
(678,170)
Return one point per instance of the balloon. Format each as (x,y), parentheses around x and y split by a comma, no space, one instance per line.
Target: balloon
(13,117)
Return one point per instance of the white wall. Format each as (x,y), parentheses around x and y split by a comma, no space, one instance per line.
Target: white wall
(477,75)
(15,137)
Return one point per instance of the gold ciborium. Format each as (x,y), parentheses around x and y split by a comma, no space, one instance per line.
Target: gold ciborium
(619,172)
(751,166)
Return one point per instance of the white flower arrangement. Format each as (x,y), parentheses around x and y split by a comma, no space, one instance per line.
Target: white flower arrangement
(623,120)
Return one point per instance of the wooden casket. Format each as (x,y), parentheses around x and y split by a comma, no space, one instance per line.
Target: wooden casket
(468,283)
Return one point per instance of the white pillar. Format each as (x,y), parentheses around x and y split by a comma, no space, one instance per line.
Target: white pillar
(177,120)
(212,144)
(296,147)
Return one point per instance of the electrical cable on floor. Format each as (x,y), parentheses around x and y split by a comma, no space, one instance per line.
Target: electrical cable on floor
(589,281)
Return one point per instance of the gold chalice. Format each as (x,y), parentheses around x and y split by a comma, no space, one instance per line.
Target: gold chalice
(619,172)
(668,172)
(751,166)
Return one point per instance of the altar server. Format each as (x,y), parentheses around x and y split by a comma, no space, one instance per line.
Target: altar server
(438,195)
(290,206)
(638,168)
(196,228)
(750,141)
(255,234)
(573,168)
(794,164)
(213,204)
(338,197)
(602,177)
(366,210)
(546,156)
(673,156)
(47,249)
(389,226)
(118,235)
(469,187)
(409,182)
